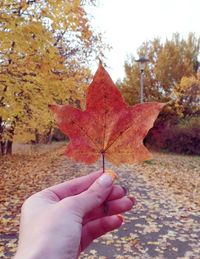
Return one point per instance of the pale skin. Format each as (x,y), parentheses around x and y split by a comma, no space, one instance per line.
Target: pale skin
(61,221)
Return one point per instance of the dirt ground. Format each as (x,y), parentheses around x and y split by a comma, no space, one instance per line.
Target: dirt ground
(165,223)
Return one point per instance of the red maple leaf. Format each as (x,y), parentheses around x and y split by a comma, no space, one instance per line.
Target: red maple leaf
(108,126)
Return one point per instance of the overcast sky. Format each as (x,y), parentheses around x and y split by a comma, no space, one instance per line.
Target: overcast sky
(128,23)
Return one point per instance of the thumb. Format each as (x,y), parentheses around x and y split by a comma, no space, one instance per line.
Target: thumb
(96,194)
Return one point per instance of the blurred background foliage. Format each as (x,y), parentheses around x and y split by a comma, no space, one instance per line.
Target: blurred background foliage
(172,75)
(46,51)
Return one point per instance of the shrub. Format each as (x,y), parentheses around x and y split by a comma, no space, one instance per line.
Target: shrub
(183,137)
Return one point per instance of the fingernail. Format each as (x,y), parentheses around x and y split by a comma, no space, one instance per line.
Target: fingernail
(106,180)
(112,173)
(120,217)
(132,199)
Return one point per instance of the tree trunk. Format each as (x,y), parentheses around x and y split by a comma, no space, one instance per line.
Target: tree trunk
(8,150)
(37,137)
(7,146)
(2,149)
(2,143)
(49,136)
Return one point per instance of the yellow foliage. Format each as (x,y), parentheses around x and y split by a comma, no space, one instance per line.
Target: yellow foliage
(43,60)
(170,63)
(187,95)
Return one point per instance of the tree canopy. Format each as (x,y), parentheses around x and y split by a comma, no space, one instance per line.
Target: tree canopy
(45,51)
(170,63)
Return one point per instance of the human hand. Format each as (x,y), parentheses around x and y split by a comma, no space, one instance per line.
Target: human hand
(61,221)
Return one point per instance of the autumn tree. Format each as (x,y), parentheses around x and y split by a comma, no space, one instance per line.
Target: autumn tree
(186,96)
(178,126)
(172,76)
(45,51)
(169,62)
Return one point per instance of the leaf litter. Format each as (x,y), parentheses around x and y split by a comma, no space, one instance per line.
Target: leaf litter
(165,223)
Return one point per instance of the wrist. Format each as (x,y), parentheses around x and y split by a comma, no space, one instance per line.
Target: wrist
(33,252)
(36,252)
(30,254)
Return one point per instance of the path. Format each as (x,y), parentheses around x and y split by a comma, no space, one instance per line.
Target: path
(161,225)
